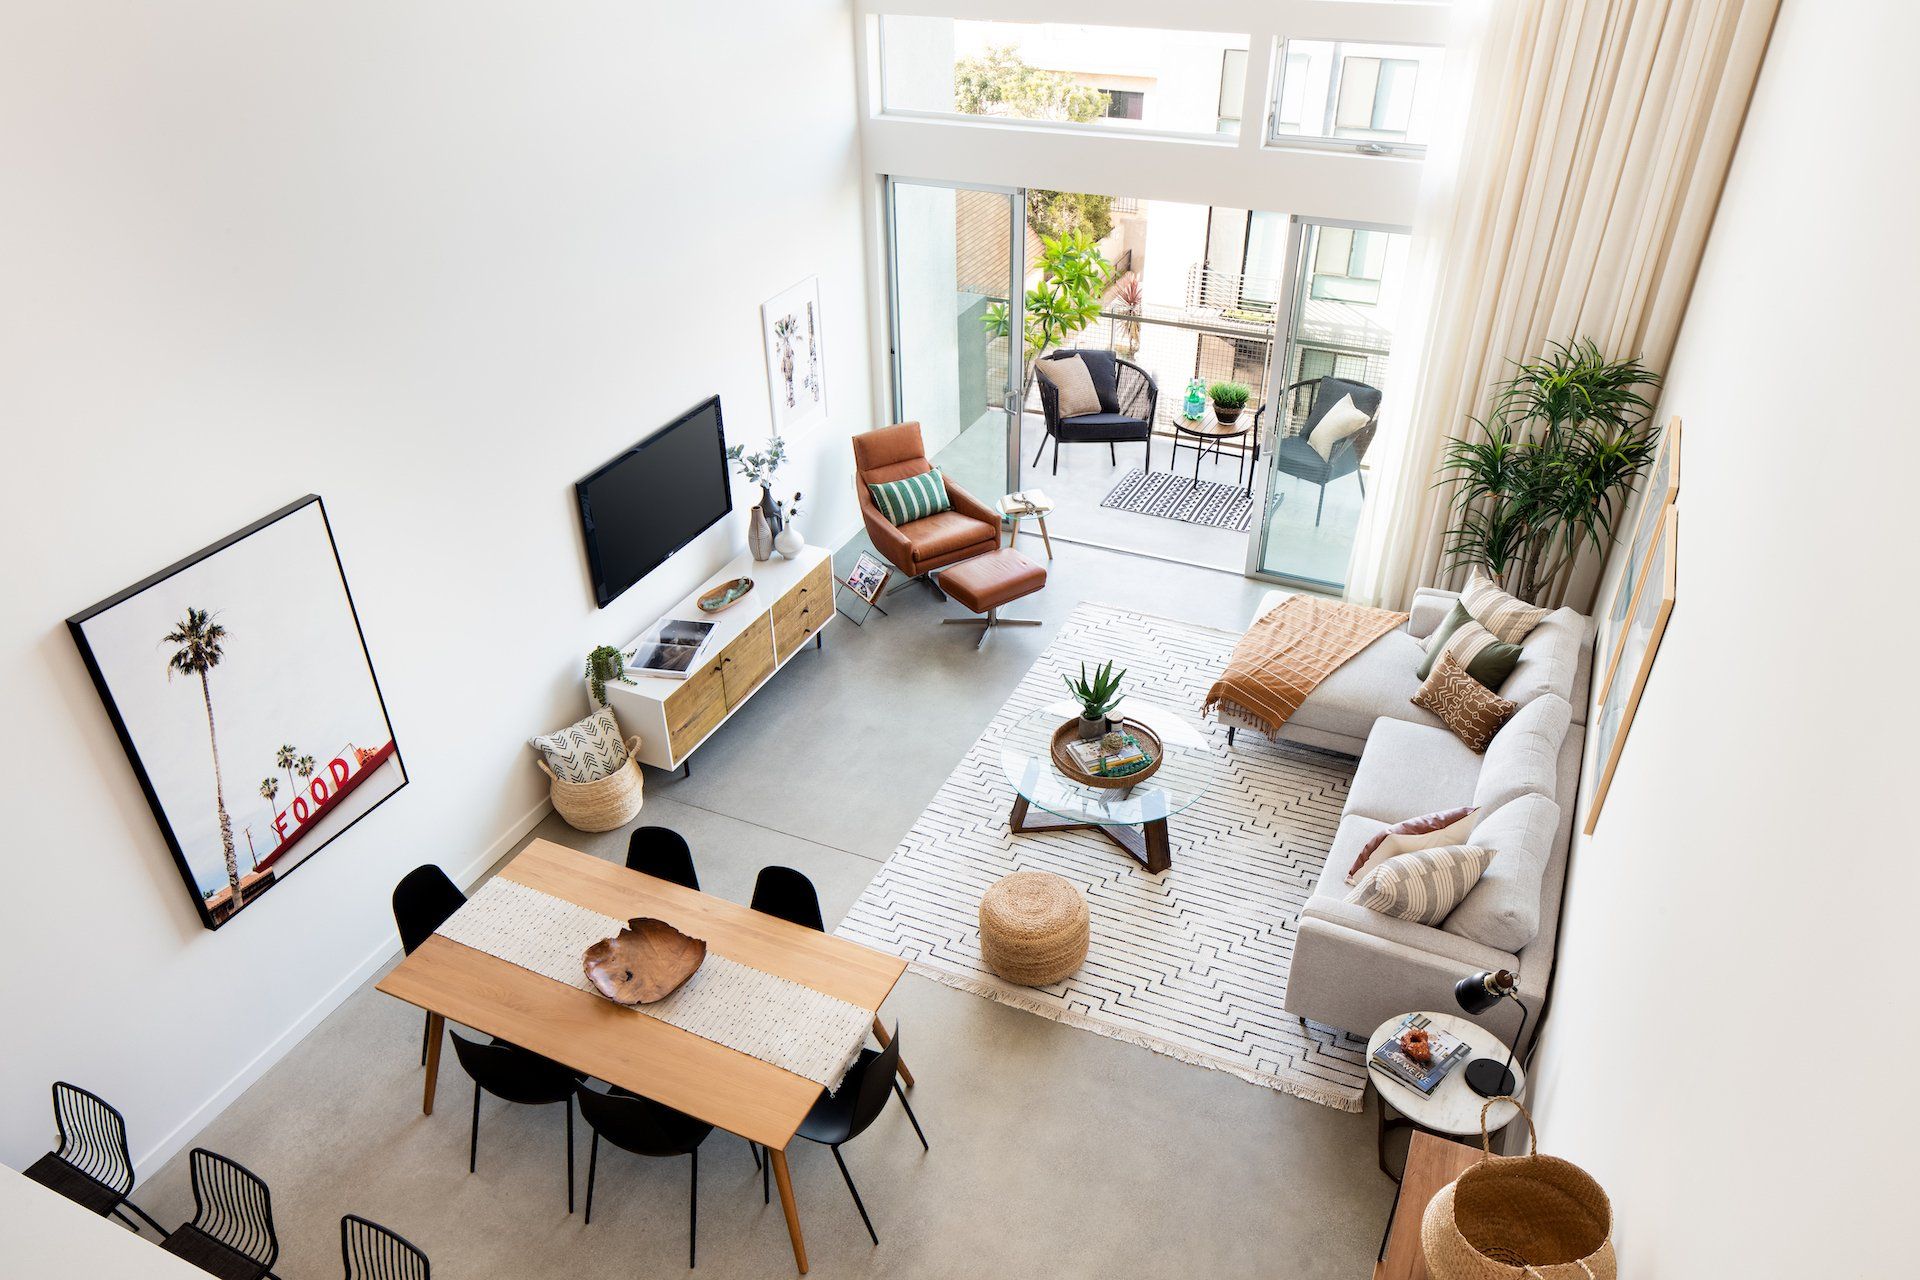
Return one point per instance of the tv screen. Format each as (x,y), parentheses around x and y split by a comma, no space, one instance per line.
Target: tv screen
(654,499)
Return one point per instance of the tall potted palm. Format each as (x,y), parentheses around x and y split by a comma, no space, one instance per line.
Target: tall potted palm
(198,648)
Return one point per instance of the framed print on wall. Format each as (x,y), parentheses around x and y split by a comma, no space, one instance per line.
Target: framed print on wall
(239,683)
(790,333)
(1639,644)
(1662,488)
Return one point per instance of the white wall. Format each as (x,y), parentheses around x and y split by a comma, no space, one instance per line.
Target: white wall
(433,261)
(1732,1034)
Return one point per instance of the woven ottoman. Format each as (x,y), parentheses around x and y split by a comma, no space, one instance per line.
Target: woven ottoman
(1033,928)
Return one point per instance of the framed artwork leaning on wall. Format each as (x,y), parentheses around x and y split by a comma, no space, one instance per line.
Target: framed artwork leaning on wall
(1640,640)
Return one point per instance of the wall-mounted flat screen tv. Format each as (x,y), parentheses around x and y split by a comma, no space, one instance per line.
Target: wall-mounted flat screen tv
(654,499)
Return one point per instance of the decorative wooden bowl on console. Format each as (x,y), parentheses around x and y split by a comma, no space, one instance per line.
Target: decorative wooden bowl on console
(646,961)
(1063,760)
(725,594)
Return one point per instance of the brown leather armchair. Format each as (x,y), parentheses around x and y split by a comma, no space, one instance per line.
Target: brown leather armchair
(932,542)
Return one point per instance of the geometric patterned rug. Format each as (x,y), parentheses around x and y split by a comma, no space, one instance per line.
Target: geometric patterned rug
(1192,962)
(1155,493)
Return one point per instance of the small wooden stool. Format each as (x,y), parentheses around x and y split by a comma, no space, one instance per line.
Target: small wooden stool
(986,582)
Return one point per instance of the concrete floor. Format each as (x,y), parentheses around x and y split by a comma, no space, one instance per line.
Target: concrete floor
(1055,1151)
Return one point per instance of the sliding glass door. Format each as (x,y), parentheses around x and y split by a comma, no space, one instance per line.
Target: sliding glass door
(957,264)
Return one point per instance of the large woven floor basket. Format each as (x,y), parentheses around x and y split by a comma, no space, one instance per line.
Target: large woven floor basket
(1529,1216)
(601,805)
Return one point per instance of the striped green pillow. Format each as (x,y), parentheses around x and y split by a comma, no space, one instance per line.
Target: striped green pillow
(913,498)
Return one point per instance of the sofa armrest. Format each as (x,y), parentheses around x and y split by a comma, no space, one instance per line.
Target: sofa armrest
(968,505)
(1430,607)
(885,536)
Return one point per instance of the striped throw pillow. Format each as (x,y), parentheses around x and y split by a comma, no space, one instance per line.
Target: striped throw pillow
(914,498)
(1508,618)
(1473,647)
(1425,886)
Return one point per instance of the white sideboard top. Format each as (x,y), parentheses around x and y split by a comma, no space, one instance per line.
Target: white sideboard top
(771,578)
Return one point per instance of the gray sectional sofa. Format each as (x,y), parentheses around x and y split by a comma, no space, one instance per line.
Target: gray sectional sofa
(1354,968)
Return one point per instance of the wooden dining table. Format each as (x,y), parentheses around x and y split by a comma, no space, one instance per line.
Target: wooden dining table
(726,1088)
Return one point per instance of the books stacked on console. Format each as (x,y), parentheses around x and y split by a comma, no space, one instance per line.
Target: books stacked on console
(1422,1077)
(671,648)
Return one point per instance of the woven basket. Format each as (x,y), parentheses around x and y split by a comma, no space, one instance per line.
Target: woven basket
(603,804)
(1033,928)
(1510,1217)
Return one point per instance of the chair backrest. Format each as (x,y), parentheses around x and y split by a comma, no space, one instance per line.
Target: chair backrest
(422,901)
(888,453)
(233,1206)
(93,1136)
(371,1252)
(784,892)
(640,1125)
(1135,389)
(875,1082)
(510,1072)
(662,852)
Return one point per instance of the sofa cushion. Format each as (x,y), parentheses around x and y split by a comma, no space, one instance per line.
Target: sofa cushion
(1549,659)
(1508,617)
(1503,909)
(1523,758)
(1410,769)
(1352,837)
(1487,660)
(1378,681)
(1105,375)
(1071,382)
(949,531)
(912,498)
(1424,886)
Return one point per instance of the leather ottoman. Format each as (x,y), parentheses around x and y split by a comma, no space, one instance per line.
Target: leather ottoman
(985,583)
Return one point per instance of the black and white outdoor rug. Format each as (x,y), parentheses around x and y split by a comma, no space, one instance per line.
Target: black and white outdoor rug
(1191,963)
(1155,493)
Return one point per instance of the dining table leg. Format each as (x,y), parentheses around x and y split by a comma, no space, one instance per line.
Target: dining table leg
(880,1034)
(785,1182)
(436,1033)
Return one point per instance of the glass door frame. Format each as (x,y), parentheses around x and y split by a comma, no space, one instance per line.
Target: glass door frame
(1011,399)
(1291,304)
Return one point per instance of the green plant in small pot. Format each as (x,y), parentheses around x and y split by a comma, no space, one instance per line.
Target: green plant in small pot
(605,664)
(1229,398)
(1097,695)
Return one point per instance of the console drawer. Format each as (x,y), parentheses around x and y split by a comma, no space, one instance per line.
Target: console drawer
(695,708)
(747,660)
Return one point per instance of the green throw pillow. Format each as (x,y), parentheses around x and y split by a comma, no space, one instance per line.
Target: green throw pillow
(914,498)
(1485,659)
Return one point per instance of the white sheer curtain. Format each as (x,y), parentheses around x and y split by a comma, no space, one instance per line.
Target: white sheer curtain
(1589,143)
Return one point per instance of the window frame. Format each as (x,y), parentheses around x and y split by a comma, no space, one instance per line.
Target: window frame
(1281,61)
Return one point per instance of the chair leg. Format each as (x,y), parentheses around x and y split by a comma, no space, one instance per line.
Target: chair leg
(473,1144)
(913,1119)
(144,1217)
(593,1167)
(1322,507)
(569,1106)
(1056,455)
(856,1193)
(1149,463)
(1363,484)
(693,1211)
(766,1178)
(753,1149)
(1230,729)
(1042,449)
(1112,456)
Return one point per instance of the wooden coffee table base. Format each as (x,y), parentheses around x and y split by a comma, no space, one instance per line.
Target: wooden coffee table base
(1146,844)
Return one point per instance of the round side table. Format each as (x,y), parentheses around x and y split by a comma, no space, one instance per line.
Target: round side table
(1453,1109)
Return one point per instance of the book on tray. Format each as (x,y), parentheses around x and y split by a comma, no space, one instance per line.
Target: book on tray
(1089,755)
(1448,1051)
(671,648)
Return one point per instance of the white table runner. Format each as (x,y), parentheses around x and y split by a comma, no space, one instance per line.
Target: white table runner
(774,1019)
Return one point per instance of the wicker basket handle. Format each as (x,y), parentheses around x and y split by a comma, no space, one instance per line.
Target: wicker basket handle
(633,753)
(1486,1138)
(543,768)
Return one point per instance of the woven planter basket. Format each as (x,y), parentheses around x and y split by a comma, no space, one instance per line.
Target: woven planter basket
(601,805)
(1510,1217)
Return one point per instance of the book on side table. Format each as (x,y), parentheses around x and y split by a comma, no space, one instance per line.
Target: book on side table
(1447,1052)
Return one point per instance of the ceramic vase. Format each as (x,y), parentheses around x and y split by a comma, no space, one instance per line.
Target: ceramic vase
(788,541)
(759,535)
(771,510)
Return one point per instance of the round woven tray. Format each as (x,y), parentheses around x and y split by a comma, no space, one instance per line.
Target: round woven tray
(1063,759)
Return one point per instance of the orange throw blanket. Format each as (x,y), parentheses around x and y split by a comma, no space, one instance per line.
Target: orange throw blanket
(1287,653)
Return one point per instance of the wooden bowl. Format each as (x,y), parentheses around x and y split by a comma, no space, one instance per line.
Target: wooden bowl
(724,595)
(1063,758)
(646,961)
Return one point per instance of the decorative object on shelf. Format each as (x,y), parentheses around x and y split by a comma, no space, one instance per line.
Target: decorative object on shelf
(761,468)
(1417,1044)
(1639,645)
(726,593)
(1034,928)
(1476,995)
(604,664)
(213,663)
(1096,697)
(1659,493)
(759,535)
(1194,407)
(1084,760)
(1549,470)
(866,580)
(1531,1216)
(1229,399)
(648,960)
(788,541)
(791,330)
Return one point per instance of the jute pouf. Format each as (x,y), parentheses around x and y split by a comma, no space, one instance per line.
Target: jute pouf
(1033,928)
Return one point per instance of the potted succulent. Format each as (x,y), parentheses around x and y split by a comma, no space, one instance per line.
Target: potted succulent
(1097,695)
(1229,398)
(603,664)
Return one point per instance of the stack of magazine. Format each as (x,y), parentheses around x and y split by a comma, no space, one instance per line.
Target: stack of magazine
(1424,1078)
(671,648)
(1091,756)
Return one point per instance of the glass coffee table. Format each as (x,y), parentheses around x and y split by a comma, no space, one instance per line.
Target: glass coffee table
(1135,818)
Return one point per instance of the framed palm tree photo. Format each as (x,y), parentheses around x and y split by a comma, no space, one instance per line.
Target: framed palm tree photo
(239,683)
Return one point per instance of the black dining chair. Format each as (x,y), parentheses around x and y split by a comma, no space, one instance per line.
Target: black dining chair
(1294,456)
(1129,398)
(646,1128)
(231,1234)
(90,1165)
(422,902)
(517,1075)
(662,852)
(372,1252)
(839,1118)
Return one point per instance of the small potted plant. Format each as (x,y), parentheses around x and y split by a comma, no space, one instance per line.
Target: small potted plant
(604,664)
(761,468)
(1229,398)
(1097,695)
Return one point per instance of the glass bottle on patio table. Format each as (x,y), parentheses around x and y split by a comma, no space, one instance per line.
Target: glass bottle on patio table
(1195,407)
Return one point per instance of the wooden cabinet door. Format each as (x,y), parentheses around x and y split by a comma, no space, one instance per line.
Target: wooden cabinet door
(799,614)
(695,708)
(747,660)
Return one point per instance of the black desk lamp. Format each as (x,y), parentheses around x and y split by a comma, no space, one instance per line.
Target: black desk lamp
(1478,994)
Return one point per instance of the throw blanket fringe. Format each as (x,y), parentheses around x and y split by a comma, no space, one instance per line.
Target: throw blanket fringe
(1287,652)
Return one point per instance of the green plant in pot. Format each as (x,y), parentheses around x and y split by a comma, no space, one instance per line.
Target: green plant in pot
(1097,695)
(605,664)
(1229,398)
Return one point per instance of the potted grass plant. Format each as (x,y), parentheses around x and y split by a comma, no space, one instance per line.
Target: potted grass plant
(1229,399)
(1097,695)
(604,664)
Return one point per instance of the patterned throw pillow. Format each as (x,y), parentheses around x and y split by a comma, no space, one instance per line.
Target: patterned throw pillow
(1473,647)
(1423,887)
(584,752)
(1071,381)
(913,498)
(1431,831)
(1508,618)
(1473,711)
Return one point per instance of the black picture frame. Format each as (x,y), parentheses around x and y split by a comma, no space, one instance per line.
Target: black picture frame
(77,628)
